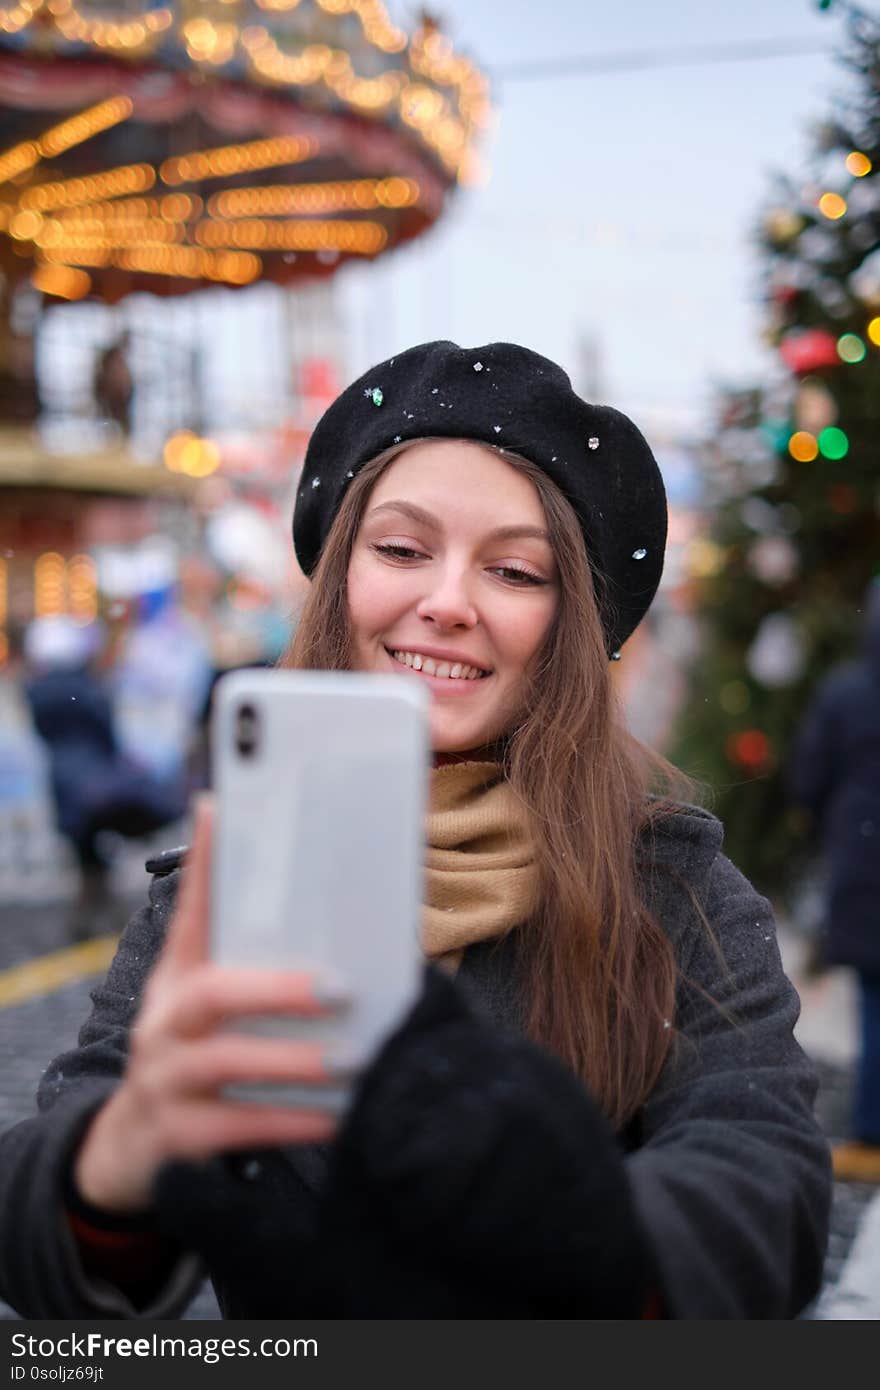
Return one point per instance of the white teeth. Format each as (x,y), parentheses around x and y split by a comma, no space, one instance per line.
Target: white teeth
(445,670)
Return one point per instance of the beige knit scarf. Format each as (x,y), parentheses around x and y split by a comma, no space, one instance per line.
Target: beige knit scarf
(480,876)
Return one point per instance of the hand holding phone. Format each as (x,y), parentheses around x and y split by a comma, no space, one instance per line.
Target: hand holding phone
(170,1104)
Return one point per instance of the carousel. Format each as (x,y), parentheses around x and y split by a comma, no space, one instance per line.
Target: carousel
(222,141)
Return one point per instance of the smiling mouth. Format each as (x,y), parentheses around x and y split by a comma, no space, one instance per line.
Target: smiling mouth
(442,670)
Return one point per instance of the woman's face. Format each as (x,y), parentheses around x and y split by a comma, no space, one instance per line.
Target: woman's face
(452,582)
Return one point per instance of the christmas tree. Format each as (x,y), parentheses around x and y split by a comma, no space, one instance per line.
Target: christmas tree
(779,580)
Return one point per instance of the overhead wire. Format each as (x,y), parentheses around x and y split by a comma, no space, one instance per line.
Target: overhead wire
(641,60)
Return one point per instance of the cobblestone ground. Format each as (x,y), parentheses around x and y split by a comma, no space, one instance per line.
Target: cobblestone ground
(33,1032)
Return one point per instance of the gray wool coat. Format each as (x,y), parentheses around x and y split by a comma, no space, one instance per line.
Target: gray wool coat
(729,1171)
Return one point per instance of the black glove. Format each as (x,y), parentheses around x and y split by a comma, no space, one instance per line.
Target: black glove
(475,1177)
(252,1217)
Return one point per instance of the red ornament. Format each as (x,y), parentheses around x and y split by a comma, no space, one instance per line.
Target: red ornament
(807,349)
(749,750)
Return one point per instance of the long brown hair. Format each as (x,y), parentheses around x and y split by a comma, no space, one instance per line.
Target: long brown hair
(601,972)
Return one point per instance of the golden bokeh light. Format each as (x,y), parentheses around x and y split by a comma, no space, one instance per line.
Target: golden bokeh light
(19,158)
(84,126)
(50,590)
(25,226)
(236,159)
(187,453)
(62,281)
(858,164)
(832,206)
(272,200)
(803,446)
(82,587)
(112,183)
(335,234)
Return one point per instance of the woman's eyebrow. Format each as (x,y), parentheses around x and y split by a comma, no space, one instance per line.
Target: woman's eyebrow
(418,514)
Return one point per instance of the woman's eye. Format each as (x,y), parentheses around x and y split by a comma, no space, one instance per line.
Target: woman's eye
(397,552)
(513,574)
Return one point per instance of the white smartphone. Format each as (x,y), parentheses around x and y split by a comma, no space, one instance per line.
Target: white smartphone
(320,781)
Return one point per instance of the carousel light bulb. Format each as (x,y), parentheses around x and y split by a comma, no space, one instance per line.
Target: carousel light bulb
(25,225)
(61,281)
(873,331)
(16,160)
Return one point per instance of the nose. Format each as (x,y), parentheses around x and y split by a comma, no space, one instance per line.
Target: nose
(447,601)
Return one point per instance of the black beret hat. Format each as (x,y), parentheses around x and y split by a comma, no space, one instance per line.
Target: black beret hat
(513,398)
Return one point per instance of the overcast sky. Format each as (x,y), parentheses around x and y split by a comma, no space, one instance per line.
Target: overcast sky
(620,205)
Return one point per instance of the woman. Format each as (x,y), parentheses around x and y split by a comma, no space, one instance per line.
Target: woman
(597,1107)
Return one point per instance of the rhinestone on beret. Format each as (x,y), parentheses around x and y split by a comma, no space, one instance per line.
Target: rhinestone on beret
(640,553)
(592,442)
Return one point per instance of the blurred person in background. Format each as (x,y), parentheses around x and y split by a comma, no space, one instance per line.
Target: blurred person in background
(95,786)
(597,1107)
(835,773)
(161,674)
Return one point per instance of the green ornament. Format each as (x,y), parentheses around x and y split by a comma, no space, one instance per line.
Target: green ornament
(833,443)
(376,395)
(851,348)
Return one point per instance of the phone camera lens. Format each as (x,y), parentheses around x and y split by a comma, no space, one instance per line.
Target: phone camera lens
(246,730)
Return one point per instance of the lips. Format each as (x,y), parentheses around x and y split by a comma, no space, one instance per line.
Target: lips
(437,667)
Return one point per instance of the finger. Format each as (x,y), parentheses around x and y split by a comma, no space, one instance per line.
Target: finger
(202,1128)
(213,994)
(187,942)
(232,1058)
